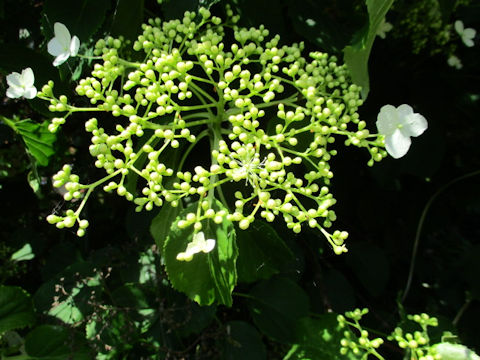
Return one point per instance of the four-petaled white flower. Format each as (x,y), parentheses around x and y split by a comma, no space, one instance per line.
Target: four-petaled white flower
(21,84)
(455,62)
(466,34)
(197,245)
(62,45)
(383,28)
(398,125)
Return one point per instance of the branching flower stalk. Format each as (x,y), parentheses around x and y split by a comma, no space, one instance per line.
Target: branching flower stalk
(270,113)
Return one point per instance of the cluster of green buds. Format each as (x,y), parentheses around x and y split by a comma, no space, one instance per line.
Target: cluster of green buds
(418,342)
(271,114)
(358,344)
(73,190)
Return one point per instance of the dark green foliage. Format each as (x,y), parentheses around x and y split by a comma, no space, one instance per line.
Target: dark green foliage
(263,293)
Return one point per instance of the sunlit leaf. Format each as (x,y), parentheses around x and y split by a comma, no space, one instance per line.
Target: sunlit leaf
(210,277)
(161,224)
(25,253)
(38,140)
(356,55)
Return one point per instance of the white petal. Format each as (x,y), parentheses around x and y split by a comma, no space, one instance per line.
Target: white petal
(74,45)
(55,48)
(199,237)
(387,120)
(210,244)
(28,77)
(468,42)
(403,112)
(30,93)
(14,92)
(184,257)
(193,248)
(459,26)
(60,59)
(62,34)
(14,79)
(397,144)
(469,33)
(414,125)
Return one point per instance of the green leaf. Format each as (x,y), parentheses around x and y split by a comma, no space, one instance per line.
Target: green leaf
(161,224)
(243,342)
(55,342)
(318,338)
(130,296)
(38,140)
(207,278)
(25,253)
(356,55)
(262,253)
(16,308)
(82,18)
(276,305)
(128,18)
(72,303)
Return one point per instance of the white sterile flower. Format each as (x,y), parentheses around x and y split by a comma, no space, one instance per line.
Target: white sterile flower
(466,34)
(398,125)
(449,351)
(62,45)
(383,28)
(455,62)
(21,84)
(197,245)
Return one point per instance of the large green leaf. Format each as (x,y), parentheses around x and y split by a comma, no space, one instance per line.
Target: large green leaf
(82,18)
(16,308)
(207,278)
(37,138)
(356,55)
(48,342)
(161,224)
(276,305)
(262,253)
(243,342)
(318,338)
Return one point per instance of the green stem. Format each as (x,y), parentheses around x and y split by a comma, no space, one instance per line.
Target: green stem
(199,90)
(196,107)
(91,187)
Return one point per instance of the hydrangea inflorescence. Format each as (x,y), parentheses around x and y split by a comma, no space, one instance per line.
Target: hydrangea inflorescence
(266,108)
